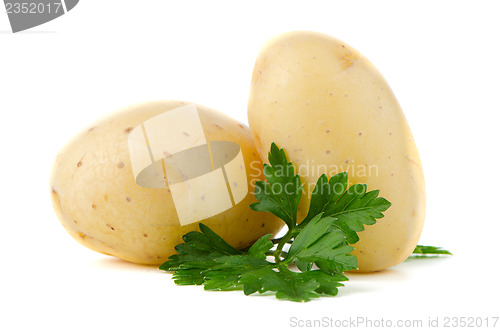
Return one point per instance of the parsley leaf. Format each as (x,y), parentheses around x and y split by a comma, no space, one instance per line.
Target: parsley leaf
(429,251)
(319,246)
(321,241)
(197,254)
(249,272)
(353,208)
(281,193)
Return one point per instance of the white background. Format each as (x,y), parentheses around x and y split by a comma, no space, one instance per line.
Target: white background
(440,58)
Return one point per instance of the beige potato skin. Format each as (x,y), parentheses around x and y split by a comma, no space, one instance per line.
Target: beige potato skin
(97,200)
(331,110)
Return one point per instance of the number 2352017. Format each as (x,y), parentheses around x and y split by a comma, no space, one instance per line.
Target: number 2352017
(33,7)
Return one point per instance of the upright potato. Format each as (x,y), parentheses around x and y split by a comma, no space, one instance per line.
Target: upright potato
(98,200)
(332,111)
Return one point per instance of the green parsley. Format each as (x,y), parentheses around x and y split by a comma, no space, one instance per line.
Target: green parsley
(319,246)
(429,251)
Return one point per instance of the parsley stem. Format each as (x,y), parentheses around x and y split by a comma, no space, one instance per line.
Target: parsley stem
(277,241)
(284,240)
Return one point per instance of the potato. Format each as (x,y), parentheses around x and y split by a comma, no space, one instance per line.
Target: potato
(107,204)
(332,111)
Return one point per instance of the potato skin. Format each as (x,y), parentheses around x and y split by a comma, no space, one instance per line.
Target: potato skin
(97,200)
(331,110)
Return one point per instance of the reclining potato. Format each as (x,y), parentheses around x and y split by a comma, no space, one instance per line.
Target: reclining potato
(111,193)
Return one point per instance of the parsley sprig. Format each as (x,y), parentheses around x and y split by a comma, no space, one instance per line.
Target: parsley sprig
(319,246)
